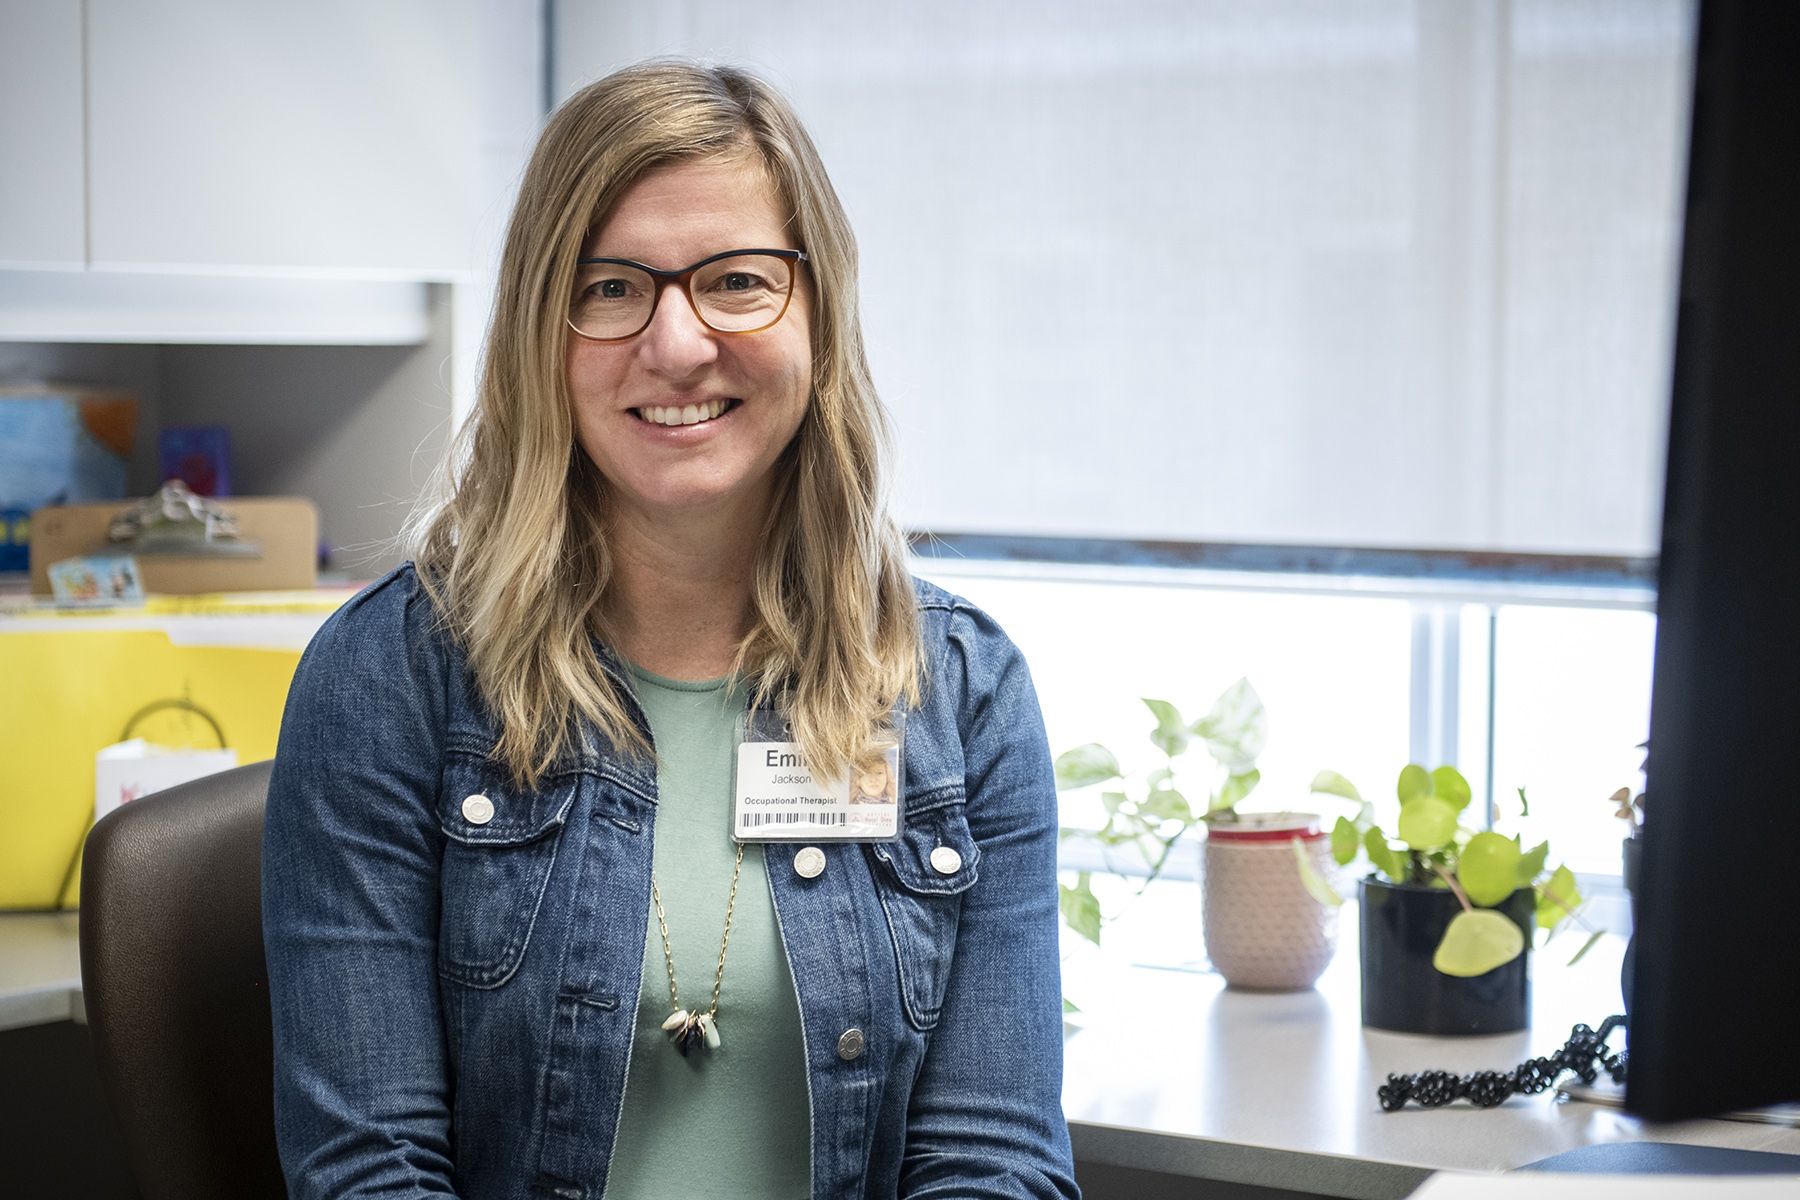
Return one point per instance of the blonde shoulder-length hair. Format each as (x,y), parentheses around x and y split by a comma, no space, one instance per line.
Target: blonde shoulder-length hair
(511,543)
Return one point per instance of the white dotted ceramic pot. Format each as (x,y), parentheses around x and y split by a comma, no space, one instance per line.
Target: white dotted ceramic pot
(1263,929)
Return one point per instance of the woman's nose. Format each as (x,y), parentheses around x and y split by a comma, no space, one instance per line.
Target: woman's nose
(676,343)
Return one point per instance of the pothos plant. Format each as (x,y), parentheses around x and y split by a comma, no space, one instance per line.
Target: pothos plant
(1147,814)
(1432,847)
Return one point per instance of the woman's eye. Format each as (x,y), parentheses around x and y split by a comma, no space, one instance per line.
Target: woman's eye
(739,281)
(611,289)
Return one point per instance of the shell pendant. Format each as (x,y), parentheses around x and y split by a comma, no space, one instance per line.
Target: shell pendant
(687,1030)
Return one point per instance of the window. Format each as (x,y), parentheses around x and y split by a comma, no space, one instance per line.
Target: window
(1571,705)
(1546,691)
(1332,670)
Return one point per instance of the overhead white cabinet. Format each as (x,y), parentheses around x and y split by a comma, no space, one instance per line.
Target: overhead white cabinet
(41,207)
(338,137)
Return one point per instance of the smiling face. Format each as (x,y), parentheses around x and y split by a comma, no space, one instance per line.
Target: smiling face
(681,419)
(872,779)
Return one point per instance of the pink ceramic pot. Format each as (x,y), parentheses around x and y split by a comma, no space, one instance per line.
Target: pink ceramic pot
(1263,929)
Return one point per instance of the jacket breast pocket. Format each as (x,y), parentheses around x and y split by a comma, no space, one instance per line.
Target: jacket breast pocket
(921,880)
(500,845)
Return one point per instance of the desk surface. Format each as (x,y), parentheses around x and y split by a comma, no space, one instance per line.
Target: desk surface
(40,969)
(1171,1071)
(1174,1072)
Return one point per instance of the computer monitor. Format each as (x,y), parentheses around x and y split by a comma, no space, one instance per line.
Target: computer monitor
(1713,1004)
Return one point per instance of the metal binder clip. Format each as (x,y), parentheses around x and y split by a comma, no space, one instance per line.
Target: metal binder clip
(176,521)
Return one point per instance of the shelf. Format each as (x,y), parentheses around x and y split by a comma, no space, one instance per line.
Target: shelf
(122,307)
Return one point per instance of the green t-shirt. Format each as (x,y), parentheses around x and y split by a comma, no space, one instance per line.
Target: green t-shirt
(732,1122)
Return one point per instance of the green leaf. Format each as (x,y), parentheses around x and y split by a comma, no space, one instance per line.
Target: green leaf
(1383,857)
(1171,734)
(1448,784)
(1237,729)
(1427,823)
(1165,713)
(1558,899)
(1159,777)
(1113,801)
(1310,879)
(1236,787)
(1333,784)
(1167,804)
(1476,942)
(1531,864)
(1069,1006)
(1084,766)
(1524,804)
(1414,783)
(1488,869)
(1081,908)
(1587,945)
(1343,841)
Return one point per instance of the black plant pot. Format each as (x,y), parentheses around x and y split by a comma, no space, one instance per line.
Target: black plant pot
(1402,925)
(1634,870)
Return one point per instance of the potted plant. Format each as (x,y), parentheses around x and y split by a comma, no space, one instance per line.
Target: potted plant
(1630,809)
(1448,911)
(1263,928)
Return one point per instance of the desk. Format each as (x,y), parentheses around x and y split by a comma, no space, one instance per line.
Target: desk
(1173,1072)
(1170,1071)
(40,970)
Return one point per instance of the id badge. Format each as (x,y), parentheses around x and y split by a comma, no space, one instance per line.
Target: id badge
(777,798)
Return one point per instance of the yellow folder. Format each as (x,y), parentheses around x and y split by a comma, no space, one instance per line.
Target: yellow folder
(69,684)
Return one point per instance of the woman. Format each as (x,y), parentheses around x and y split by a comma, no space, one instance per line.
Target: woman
(513,948)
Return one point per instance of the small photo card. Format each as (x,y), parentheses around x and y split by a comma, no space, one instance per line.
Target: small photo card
(97,581)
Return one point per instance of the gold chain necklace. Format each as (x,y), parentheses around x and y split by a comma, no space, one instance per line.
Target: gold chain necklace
(689,1029)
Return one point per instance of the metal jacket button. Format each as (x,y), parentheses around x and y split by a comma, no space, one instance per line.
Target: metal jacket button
(809,863)
(946,861)
(477,809)
(850,1045)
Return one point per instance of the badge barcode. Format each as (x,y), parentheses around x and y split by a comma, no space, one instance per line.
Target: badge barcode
(757,820)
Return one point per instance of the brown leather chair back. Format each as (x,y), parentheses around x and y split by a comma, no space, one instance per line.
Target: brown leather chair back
(176,990)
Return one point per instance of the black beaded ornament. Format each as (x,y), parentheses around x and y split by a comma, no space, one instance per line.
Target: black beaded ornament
(1484,1089)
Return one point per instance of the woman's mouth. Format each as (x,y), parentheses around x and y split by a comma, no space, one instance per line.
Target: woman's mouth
(684,414)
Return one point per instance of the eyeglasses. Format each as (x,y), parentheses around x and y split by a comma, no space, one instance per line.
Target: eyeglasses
(739,291)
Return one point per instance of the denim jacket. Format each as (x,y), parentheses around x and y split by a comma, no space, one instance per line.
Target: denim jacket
(454,1001)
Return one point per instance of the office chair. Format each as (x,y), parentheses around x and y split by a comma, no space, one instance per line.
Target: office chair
(177,994)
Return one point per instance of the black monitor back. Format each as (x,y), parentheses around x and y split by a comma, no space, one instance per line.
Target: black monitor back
(1713,997)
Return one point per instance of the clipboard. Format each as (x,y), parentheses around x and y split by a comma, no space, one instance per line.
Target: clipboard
(285,530)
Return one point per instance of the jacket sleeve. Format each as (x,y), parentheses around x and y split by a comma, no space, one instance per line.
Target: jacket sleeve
(986,1116)
(351,847)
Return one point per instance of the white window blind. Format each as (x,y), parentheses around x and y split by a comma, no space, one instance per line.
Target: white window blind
(1373,273)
